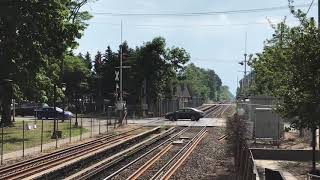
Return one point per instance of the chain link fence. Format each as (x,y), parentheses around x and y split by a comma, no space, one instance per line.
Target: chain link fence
(243,158)
(29,136)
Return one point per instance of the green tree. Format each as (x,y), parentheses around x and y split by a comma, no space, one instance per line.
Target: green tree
(152,61)
(289,69)
(201,82)
(110,61)
(158,65)
(225,94)
(76,76)
(88,61)
(33,36)
(98,79)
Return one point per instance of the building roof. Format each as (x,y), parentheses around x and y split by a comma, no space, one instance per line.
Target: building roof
(182,90)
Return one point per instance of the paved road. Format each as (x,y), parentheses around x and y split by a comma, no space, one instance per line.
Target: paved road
(217,122)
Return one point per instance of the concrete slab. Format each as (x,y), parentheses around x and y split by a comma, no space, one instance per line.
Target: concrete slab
(211,122)
(274,165)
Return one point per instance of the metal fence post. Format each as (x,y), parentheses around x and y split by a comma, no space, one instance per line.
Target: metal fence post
(242,168)
(70,128)
(2,142)
(99,126)
(246,154)
(23,138)
(126,115)
(91,124)
(107,125)
(251,168)
(41,135)
(240,163)
(81,129)
(56,140)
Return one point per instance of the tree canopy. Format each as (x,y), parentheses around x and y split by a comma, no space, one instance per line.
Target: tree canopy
(37,39)
(289,69)
(160,67)
(205,83)
(34,37)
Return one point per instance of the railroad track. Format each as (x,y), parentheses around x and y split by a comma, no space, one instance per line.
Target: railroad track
(32,166)
(170,167)
(217,111)
(177,160)
(206,108)
(212,110)
(226,108)
(165,158)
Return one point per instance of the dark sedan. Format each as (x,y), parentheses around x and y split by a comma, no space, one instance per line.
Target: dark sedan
(28,108)
(49,112)
(185,113)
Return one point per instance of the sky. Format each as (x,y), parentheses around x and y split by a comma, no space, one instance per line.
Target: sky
(215,41)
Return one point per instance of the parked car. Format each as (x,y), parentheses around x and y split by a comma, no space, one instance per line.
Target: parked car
(185,113)
(49,112)
(27,108)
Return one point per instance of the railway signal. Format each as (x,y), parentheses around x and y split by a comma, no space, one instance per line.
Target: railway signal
(117,75)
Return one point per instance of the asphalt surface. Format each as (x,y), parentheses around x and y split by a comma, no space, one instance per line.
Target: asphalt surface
(210,122)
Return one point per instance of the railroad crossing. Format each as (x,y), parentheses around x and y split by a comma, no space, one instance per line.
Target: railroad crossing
(152,148)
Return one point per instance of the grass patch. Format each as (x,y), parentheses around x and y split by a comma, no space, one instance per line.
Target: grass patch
(13,136)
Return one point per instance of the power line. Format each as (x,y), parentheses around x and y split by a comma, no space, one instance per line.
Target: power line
(183,25)
(214,60)
(310,7)
(208,13)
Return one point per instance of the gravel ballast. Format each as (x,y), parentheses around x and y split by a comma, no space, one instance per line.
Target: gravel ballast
(209,160)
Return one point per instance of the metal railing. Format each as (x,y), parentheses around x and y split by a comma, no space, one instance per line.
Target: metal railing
(312,177)
(245,166)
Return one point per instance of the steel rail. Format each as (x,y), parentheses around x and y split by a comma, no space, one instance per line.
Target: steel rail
(180,161)
(49,163)
(205,107)
(217,113)
(52,163)
(145,154)
(94,170)
(212,110)
(150,162)
(228,107)
(223,137)
(185,147)
(8,171)
(220,111)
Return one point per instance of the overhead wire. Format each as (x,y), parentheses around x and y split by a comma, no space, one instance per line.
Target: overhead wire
(207,13)
(214,60)
(182,25)
(310,7)
(196,13)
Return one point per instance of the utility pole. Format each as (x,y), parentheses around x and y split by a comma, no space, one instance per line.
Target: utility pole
(319,27)
(121,94)
(244,63)
(314,130)
(54,133)
(245,56)
(318,13)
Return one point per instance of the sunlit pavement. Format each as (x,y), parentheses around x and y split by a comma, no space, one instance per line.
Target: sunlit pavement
(211,122)
(217,122)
